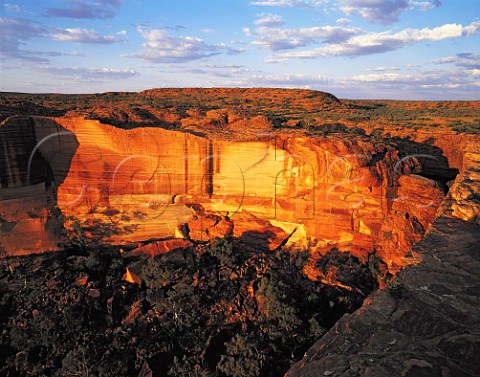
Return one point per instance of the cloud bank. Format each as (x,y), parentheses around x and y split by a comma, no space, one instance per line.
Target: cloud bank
(379,42)
(81,9)
(161,47)
(86,36)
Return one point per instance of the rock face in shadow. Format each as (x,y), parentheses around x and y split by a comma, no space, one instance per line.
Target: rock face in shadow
(35,159)
(428,322)
(128,186)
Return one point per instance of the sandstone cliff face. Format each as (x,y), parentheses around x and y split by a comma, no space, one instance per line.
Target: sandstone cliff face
(413,208)
(130,186)
(33,161)
(466,191)
(427,322)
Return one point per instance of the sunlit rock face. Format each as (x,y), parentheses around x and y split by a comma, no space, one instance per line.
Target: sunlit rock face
(129,186)
(424,325)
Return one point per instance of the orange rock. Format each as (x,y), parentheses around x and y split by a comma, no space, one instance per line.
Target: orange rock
(413,209)
(199,227)
(122,186)
(81,280)
(162,247)
(134,313)
(217,117)
(465,192)
(222,229)
(258,232)
(257,124)
(131,277)
(418,196)
(204,228)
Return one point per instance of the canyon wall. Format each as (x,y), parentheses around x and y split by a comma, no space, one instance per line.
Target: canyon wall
(35,157)
(131,186)
(427,322)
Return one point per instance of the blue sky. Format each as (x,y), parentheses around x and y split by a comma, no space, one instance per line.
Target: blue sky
(399,49)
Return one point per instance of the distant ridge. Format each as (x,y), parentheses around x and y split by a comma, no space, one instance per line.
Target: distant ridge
(245,93)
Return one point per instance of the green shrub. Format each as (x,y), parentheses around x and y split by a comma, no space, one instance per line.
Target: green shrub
(244,357)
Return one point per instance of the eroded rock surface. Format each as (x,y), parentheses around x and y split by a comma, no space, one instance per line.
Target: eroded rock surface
(33,162)
(466,190)
(128,186)
(428,322)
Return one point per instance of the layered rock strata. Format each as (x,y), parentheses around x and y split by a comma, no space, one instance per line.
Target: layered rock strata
(131,186)
(428,322)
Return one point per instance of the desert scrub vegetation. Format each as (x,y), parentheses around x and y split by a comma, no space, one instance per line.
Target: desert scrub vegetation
(228,310)
(127,110)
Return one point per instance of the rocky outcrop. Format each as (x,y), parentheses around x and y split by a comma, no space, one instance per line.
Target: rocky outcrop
(34,161)
(413,209)
(125,115)
(208,227)
(161,247)
(466,191)
(128,186)
(29,223)
(427,322)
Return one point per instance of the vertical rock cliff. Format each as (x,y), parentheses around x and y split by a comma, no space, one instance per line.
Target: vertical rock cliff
(427,322)
(35,159)
(128,186)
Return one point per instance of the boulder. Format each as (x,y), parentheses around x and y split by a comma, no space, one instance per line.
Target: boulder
(209,227)
(162,247)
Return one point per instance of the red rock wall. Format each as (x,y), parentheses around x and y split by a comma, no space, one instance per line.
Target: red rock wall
(126,186)
(427,322)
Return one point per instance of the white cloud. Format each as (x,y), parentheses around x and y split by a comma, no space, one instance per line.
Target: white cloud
(74,53)
(419,85)
(222,66)
(425,5)
(433,79)
(343,21)
(277,39)
(374,11)
(14,32)
(384,11)
(292,3)
(416,85)
(382,69)
(91,73)
(87,9)
(164,48)
(86,36)
(269,20)
(386,77)
(278,81)
(290,80)
(226,71)
(374,43)
(466,60)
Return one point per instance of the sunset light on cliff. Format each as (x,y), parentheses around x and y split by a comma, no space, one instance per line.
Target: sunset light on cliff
(240,188)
